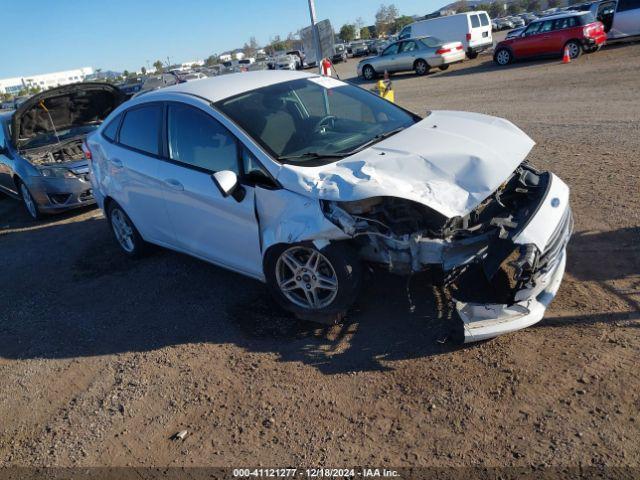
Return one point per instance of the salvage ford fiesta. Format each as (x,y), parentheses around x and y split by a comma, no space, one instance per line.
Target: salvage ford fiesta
(300,180)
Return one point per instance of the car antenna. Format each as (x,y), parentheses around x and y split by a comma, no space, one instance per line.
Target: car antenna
(53,125)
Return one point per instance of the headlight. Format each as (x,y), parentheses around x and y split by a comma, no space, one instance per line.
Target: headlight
(57,172)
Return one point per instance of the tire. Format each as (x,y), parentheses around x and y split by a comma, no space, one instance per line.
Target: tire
(503,57)
(575,49)
(421,67)
(471,54)
(368,72)
(29,203)
(293,273)
(443,67)
(127,236)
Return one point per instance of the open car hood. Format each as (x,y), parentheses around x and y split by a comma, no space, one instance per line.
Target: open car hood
(450,162)
(67,107)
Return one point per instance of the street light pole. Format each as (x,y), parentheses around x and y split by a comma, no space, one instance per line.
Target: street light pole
(316,34)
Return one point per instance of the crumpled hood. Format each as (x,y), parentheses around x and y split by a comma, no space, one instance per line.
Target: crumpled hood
(450,162)
(67,106)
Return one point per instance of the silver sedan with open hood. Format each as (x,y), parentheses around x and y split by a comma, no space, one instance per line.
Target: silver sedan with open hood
(41,157)
(301,181)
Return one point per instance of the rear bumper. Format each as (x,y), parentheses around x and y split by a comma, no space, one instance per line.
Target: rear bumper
(446,59)
(480,46)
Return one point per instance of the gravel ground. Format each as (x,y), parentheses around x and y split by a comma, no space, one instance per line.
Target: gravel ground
(103,359)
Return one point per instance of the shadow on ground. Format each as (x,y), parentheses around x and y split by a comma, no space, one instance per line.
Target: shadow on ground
(73,294)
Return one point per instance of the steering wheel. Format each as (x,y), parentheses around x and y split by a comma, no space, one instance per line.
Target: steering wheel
(324,122)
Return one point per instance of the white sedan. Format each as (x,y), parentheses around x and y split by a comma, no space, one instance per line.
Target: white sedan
(300,181)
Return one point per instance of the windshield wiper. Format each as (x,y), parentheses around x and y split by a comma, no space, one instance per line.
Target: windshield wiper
(312,155)
(376,139)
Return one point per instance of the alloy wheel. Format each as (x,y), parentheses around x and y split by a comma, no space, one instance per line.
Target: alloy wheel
(123,230)
(574,49)
(368,72)
(306,278)
(421,68)
(503,57)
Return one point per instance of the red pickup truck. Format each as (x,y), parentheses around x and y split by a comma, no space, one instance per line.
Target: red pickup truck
(549,36)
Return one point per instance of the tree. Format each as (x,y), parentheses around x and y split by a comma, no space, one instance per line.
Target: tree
(212,60)
(401,22)
(553,3)
(514,8)
(496,9)
(347,32)
(125,74)
(158,66)
(250,48)
(364,33)
(533,5)
(143,70)
(385,19)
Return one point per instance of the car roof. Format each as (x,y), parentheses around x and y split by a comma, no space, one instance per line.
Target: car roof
(6,115)
(562,15)
(218,88)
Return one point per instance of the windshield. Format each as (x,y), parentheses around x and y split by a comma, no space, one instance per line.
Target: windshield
(314,121)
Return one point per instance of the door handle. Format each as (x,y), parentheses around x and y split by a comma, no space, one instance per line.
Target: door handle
(546,37)
(174,184)
(116,163)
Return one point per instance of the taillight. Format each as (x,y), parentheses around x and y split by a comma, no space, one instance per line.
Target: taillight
(468,37)
(459,47)
(443,50)
(86,151)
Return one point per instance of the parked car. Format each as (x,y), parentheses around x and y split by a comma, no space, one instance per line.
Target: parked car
(418,54)
(548,36)
(517,22)
(504,24)
(621,18)
(301,181)
(359,49)
(472,29)
(286,62)
(340,54)
(41,158)
(153,82)
(300,58)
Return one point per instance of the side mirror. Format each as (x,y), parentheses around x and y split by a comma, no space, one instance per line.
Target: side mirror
(227,183)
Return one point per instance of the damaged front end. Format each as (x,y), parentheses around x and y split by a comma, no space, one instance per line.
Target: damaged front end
(502,262)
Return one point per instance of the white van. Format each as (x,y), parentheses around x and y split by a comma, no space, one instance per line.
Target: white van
(473,29)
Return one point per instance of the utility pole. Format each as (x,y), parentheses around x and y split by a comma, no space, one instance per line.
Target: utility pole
(316,34)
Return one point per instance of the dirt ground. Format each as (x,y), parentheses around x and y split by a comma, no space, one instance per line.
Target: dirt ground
(103,359)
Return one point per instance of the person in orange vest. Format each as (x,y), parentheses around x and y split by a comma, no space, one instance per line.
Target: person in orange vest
(385,88)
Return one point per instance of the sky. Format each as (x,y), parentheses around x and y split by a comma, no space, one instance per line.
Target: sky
(42,36)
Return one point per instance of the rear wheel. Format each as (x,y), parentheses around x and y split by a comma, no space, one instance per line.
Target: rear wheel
(368,72)
(575,49)
(315,285)
(471,54)
(421,67)
(503,57)
(443,67)
(29,202)
(125,231)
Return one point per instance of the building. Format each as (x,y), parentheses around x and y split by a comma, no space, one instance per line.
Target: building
(44,81)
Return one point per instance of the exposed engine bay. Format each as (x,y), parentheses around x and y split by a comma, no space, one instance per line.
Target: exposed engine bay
(474,255)
(66,151)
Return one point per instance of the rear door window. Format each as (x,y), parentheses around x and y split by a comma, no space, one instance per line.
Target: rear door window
(567,22)
(475,21)
(141,128)
(111,130)
(408,47)
(546,26)
(484,19)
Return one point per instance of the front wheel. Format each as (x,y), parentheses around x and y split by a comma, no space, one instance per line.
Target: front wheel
(421,67)
(29,202)
(368,72)
(315,285)
(503,57)
(575,49)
